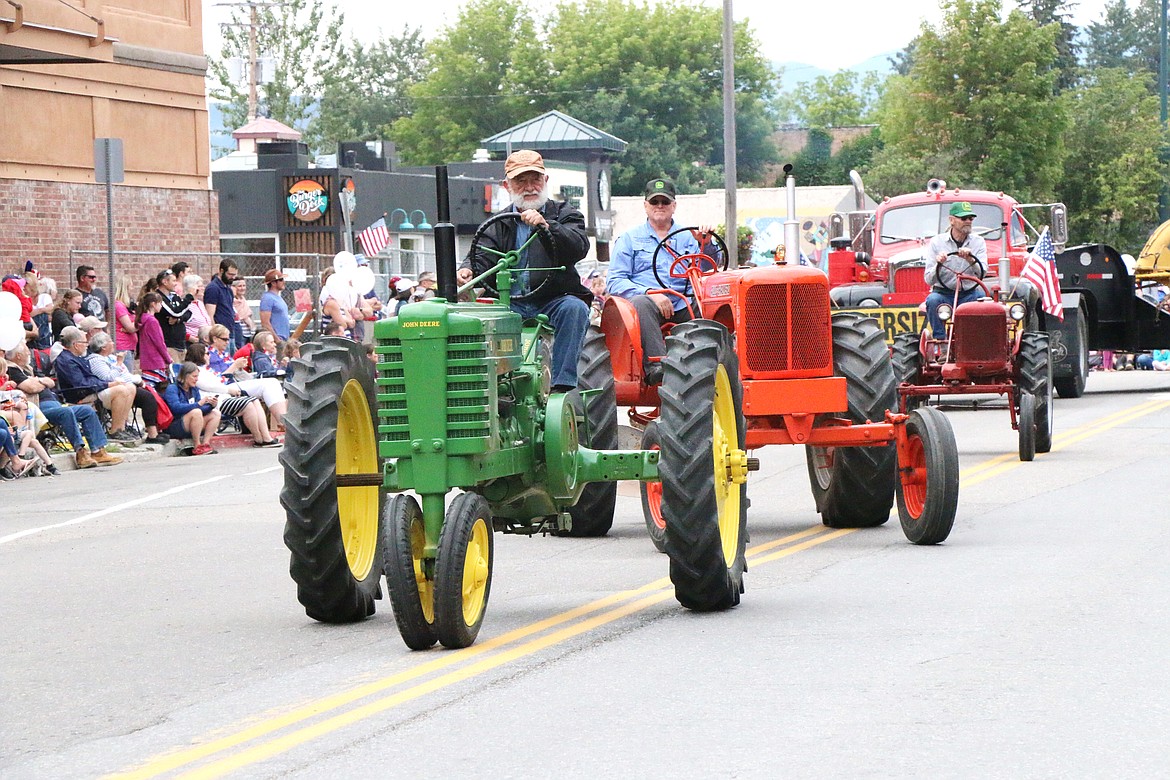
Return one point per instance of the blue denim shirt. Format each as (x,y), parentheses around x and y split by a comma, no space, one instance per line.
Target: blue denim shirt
(629,272)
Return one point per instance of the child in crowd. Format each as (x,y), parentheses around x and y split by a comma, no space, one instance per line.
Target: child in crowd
(18,418)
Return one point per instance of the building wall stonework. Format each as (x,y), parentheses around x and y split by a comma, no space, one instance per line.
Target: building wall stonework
(44,220)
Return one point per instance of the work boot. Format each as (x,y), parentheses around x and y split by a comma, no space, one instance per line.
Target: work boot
(84,459)
(102,458)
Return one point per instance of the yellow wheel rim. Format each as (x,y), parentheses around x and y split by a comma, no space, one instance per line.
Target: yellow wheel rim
(357,453)
(730,465)
(426,587)
(476,568)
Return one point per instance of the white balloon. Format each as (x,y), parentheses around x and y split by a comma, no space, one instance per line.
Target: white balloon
(344,261)
(363,279)
(338,285)
(11,333)
(9,307)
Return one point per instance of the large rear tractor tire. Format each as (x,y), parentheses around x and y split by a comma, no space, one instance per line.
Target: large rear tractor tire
(652,493)
(906,359)
(1035,376)
(463,570)
(412,593)
(332,532)
(854,486)
(928,485)
(593,512)
(703,466)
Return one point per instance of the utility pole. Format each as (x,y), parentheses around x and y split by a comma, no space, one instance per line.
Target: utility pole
(253,25)
(1163,77)
(729,171)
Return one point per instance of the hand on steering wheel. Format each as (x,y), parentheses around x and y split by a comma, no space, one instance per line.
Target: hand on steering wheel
(681,264)
(540,231)
(960,277)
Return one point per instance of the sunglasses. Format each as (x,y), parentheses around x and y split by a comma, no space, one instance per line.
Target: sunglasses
(91,276)
(967,219)
(660,202)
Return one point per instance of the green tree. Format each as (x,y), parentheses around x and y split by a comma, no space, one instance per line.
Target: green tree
(1112,174)
(842,99)
(1125,38)
(977,107)
(651,76)
(366,91)
(303,37)
(478,81)
(1058,12)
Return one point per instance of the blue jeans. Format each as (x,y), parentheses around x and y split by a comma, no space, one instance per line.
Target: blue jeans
(7,441)
(937,329)
(75,419)
(569,317)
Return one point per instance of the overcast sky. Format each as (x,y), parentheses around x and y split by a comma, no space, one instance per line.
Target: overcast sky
(831,34)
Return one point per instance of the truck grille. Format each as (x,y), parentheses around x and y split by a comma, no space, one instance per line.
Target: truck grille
(910,280)
(787,328)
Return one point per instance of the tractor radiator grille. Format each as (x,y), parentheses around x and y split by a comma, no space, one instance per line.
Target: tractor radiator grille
(468,370)
(787,328)
(980,338)
(910,280)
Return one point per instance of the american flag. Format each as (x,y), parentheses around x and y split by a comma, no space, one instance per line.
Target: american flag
(1040,270)
(375,238)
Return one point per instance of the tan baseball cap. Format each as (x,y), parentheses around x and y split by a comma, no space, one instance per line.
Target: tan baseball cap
(523,161)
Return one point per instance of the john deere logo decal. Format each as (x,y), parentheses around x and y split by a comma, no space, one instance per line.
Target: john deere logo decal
(307,200)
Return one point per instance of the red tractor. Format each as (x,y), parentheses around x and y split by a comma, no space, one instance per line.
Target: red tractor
(988,348)
(765,361)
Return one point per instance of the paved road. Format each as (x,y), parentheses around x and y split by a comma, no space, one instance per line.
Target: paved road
(150,628)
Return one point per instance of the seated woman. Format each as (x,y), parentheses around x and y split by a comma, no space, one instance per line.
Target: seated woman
(110,366)
(268,389)
(233,402)
(194,417)
(19,421)
(264,361)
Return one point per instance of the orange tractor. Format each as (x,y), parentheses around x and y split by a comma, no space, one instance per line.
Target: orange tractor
(763,362)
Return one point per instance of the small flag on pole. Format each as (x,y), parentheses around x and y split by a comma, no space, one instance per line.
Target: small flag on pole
(375,238)
(1040,270)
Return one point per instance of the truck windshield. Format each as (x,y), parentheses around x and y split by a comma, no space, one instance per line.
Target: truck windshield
(925,220)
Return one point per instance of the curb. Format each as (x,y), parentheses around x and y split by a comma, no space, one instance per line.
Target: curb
(64,460)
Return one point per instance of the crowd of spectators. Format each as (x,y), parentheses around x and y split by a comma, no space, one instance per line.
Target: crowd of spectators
(172,359)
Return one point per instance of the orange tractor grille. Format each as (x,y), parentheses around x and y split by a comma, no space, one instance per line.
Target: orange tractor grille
(787,328)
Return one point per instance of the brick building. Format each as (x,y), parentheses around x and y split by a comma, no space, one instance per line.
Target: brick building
(72,72)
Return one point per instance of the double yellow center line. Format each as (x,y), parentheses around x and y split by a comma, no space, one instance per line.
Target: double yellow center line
(286,731)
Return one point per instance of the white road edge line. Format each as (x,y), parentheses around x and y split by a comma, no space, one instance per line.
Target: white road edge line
(109,510)
(262,471)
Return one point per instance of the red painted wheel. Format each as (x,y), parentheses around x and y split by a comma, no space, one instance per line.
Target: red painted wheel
(652,494)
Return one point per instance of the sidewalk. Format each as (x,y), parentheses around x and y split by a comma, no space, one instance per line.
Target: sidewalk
(64,460)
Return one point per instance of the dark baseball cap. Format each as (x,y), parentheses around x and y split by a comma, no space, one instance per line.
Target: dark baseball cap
(663,187)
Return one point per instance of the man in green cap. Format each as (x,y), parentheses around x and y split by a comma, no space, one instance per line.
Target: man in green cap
(956,250)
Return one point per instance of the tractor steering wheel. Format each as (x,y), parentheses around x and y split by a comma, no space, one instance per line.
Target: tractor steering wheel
(961,277)
(705,264)
(539,232)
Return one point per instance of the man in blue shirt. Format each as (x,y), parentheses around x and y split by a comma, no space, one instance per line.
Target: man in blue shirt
(273,309)
(218,298)
(631,276)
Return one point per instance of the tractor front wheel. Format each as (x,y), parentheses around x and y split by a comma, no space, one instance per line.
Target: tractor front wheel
(1027,426)
(593,512)
(1035,376)
(652,493)
(703,466)
(331,531)
(854,486)
(463,571)
(928,482)
(412,592)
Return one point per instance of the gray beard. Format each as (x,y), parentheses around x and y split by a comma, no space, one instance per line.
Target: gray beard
(534,202)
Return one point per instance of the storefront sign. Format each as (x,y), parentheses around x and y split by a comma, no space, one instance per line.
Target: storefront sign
(307,200)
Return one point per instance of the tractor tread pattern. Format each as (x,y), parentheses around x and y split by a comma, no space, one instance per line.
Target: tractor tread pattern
(593,512)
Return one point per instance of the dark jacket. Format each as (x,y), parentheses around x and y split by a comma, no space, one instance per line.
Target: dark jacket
(570,244)
(175,311)
(181,401)
(76,378)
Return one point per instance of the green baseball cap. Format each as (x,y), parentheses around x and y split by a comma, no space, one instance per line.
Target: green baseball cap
(962,209)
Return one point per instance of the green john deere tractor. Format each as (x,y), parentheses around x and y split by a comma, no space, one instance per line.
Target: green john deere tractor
(459,401)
